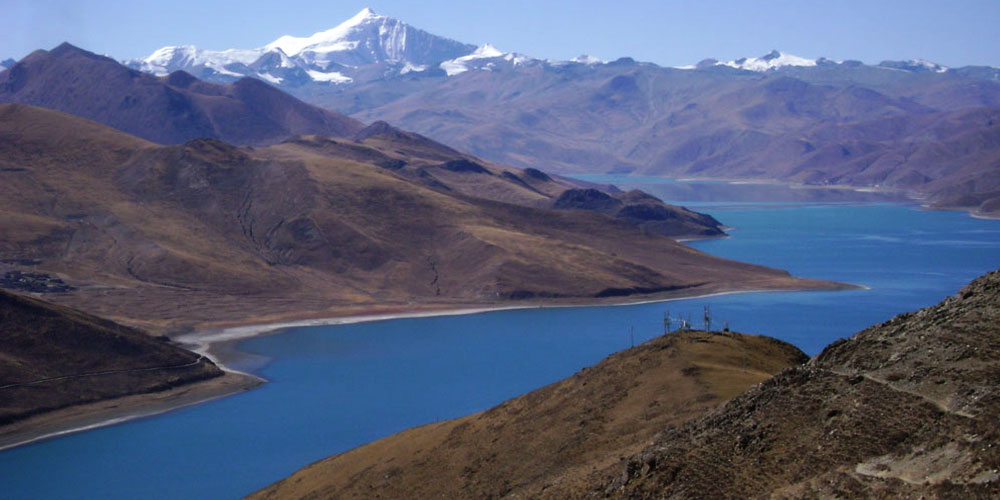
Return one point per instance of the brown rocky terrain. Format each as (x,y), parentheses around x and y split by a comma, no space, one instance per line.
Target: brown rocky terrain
(550,440)
(905,409)
(167,237)
(54,357)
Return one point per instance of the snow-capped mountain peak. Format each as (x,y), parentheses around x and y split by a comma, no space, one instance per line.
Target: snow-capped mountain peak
(769,61)
(367,43)
(334,39)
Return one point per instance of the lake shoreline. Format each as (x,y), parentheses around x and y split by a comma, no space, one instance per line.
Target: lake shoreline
(118,410)
(911,196)
(219,345)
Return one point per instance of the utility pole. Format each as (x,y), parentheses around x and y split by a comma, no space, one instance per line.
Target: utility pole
(708,319)
(631,335)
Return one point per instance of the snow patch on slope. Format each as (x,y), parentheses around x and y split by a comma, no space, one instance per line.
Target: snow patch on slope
(460,64)
(587,59)
(330,77)
(914,66)
(410,68)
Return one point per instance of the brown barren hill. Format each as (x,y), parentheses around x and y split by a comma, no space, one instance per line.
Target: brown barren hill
(547,442)
(53,357)
(205,232)
(905,409)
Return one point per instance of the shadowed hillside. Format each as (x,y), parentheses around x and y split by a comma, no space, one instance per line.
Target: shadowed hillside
(54,357)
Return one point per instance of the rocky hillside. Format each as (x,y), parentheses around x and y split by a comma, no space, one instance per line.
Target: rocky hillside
(169,236)
(54,357)
(549,441)
(904,409)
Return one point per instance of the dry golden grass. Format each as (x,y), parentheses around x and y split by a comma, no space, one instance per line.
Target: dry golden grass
(548,442)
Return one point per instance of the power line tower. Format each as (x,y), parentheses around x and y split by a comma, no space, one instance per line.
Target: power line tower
(708,319)
(666,322)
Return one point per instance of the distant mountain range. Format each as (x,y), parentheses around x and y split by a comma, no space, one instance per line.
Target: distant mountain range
(166,110)
(911,126)
(370,47)
(365,47)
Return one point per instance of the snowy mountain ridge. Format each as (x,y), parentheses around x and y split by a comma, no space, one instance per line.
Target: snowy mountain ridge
(370,46)
(332,56)
(769,61)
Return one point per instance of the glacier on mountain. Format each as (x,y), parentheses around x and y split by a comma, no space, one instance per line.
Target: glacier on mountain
(327,56)
(770,61)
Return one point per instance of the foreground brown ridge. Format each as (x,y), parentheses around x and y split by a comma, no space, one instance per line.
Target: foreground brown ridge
(168,237)
(54,357)
(905,409)
(548,441)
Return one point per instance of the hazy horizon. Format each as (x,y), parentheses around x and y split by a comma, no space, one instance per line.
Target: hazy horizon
(666,33)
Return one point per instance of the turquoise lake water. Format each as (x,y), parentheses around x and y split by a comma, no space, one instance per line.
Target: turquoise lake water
(333,388)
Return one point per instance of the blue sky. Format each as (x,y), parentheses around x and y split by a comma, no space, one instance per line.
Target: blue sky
(953,33)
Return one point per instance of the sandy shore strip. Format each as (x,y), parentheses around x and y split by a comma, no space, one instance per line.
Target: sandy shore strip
(218,344)
(113,411)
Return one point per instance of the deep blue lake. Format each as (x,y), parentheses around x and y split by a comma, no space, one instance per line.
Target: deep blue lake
(333,388)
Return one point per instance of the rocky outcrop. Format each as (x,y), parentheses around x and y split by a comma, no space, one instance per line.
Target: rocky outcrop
(904,409)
